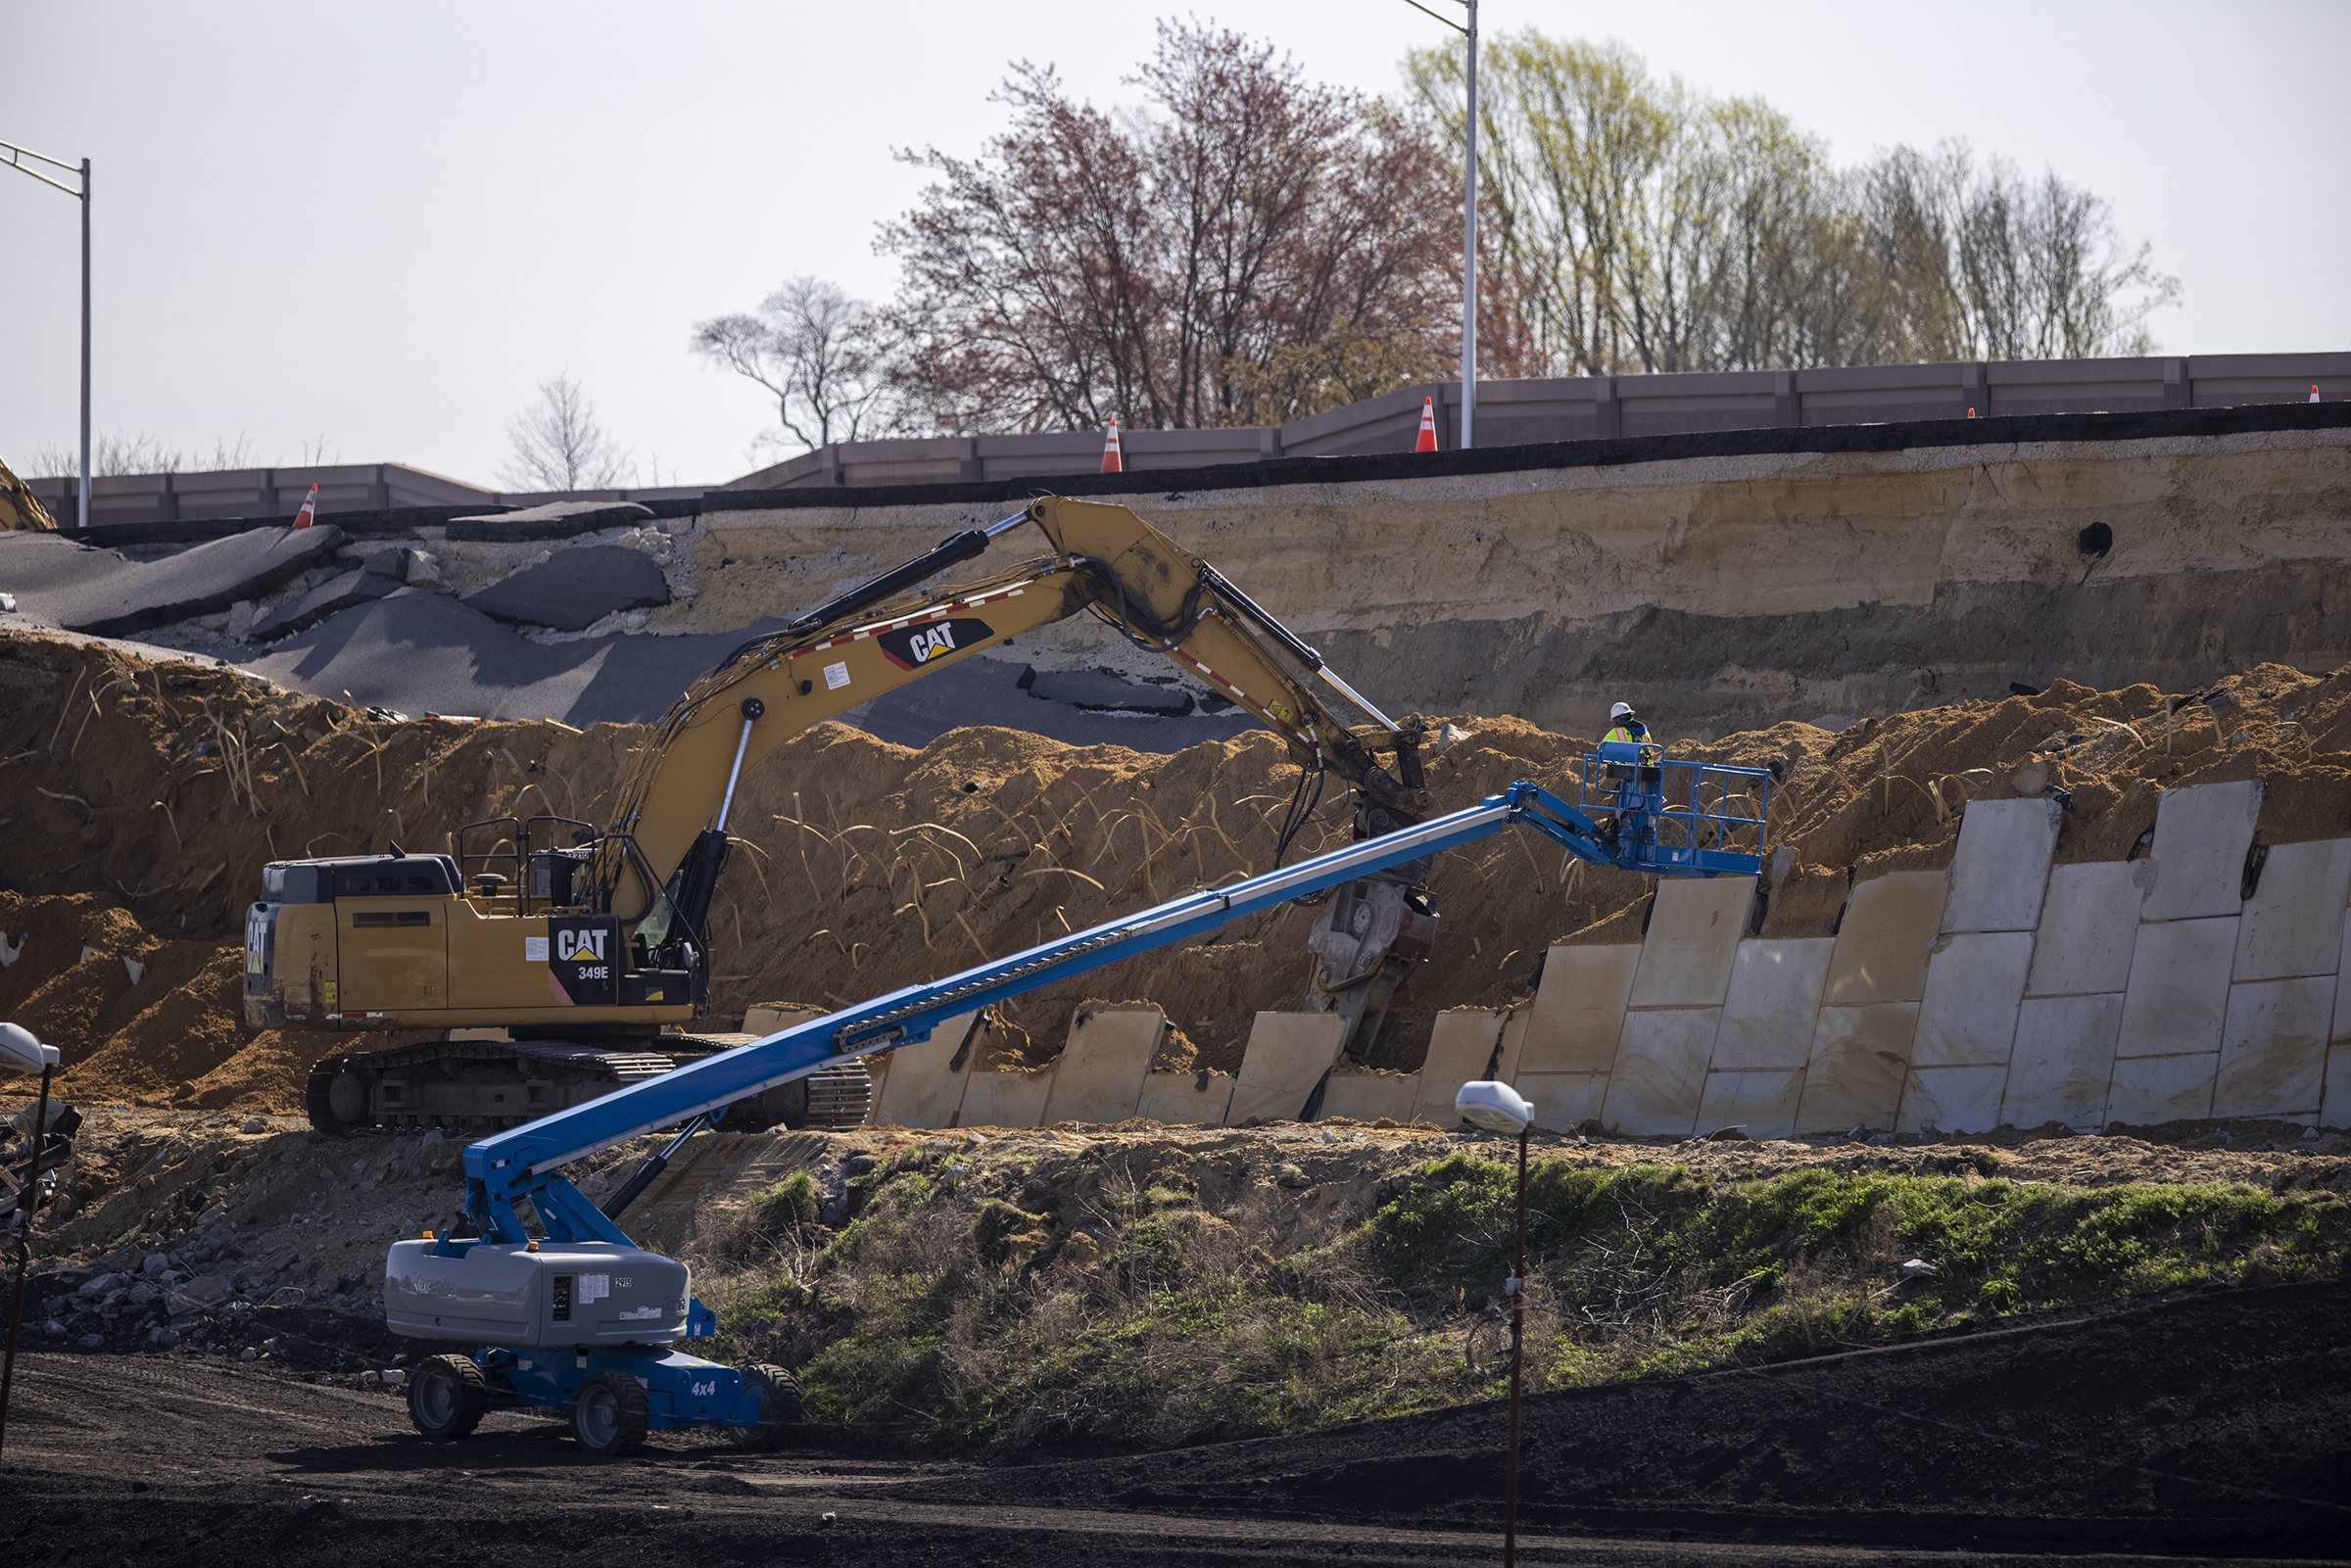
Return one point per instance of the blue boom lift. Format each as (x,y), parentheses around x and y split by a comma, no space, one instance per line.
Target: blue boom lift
(581,1319)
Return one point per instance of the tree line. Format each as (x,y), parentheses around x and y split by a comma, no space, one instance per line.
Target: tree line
(1247,247)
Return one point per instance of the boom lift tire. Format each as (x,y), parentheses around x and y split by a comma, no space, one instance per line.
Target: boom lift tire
(610,1414)
(779,1409)
(447,1397)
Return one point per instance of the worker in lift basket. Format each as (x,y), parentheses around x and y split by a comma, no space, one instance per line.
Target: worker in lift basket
(1626,726)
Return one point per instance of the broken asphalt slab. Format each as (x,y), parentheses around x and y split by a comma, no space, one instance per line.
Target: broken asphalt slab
(420,652)
(59,582)
(574,589)
(1105,693)
(989,692)
(340,591)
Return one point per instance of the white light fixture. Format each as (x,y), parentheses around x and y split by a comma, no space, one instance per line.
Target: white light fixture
(19,1052)
(1494,1106)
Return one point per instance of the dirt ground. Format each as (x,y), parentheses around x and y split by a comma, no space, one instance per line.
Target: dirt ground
(2050,1438)
(207,1393)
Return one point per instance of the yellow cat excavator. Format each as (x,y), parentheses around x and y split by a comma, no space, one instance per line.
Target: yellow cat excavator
(586,945)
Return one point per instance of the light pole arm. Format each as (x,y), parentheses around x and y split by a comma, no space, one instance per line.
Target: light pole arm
(16,159)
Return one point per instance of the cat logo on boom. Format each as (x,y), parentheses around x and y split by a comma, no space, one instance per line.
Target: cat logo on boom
(911,648)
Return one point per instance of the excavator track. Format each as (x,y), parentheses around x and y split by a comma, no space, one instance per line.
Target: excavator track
(484,1085)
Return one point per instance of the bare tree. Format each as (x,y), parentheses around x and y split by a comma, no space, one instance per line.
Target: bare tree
(555,443)
(818,352)
(1150,265)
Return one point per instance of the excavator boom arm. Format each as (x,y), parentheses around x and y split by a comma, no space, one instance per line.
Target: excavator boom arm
(886,634)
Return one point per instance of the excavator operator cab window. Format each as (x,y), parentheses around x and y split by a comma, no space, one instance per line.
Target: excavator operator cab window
(397,878)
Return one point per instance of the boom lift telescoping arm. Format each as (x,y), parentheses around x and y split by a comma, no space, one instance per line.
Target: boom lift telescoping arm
(584,1320)
(522,1162)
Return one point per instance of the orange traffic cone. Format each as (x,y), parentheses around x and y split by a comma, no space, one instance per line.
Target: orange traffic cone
(309,509)
(1111,461)
(1428,426)
(2314,391)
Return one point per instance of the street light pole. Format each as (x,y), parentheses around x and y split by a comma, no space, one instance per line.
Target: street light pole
(1469,250)
(1468,228)
(16,159)
(81,494)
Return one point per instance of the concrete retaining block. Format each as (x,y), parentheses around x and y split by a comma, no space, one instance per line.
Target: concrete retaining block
(1660,1071)
(2198,862)
(2002,865)
(1015,1099)
(1968,1017)
(922,1089)
(1287,1057)
(1462,1045)
(1185,1099)
(1881,952)
(2088,926)
(1762,1104)
(2273,1048)
(2341,1034)
(1860,1056)
(2334,1107)
(1564,1101)
(2063,1061)
(2293,923)
(1362,1095)
(1693,939)
(770,1017)
(2151,1090)
(1773,1003)
(1579,1010)
(2179,992)
(1952,1099)
(1100,1074)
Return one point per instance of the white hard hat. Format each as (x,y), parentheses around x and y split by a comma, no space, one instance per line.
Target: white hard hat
(1623,710)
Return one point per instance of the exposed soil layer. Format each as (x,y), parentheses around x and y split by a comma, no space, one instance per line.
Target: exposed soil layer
(142,800)
(2206,1425)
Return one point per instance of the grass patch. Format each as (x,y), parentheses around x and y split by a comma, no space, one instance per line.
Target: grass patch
(984,1301)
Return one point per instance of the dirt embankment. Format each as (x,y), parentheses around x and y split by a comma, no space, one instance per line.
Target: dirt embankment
(1722,595)
(141,801)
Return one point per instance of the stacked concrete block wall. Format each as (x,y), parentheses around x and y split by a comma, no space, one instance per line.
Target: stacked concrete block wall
(2202,979)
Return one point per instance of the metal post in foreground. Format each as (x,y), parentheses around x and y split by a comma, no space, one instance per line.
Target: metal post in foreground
(25,1202)
(1518,1290)
(1499,1108)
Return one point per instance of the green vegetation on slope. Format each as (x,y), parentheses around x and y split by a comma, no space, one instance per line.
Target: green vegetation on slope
(1100,1306)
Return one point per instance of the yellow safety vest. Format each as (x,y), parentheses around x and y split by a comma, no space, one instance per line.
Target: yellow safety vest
(1651,748)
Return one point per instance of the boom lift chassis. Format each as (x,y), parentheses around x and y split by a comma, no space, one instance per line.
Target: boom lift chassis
(586,1320)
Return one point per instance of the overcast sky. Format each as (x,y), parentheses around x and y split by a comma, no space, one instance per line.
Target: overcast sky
(384,225)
